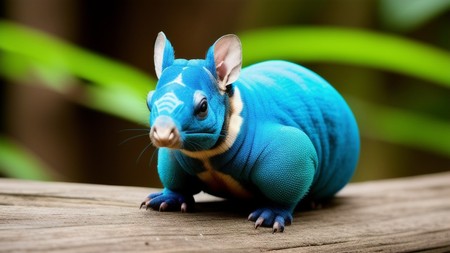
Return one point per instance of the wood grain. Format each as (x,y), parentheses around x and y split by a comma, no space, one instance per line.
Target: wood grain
(398,215)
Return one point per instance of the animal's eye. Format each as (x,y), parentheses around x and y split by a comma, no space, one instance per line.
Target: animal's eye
(202,108)
(201,105)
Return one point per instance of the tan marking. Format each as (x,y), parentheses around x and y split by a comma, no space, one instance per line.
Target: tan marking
(218,181)
(222,183)
(234,126)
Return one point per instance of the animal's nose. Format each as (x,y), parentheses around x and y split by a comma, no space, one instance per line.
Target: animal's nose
(164,133)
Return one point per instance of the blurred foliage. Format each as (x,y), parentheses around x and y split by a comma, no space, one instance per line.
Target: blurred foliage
(407,15)
(380,51)
(116,85)
(119,90)
(17,162)
(349,46)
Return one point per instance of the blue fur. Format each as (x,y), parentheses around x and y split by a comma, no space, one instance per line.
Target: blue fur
(298,136)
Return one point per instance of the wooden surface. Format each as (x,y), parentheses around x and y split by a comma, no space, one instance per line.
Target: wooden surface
(400,215)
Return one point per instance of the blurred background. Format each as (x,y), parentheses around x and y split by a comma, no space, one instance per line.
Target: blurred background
(74,76)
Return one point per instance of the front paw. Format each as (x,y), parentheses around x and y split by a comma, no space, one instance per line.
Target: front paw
(168,200)
(277,218)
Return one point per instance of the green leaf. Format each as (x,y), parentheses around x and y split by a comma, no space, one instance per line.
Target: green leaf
(348,46)
(117,89)
(66,58)
(115,102)
(398,126)
(13,66)
(17,162)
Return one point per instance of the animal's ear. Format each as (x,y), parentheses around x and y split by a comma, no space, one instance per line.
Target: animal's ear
(164,55)
(227,59)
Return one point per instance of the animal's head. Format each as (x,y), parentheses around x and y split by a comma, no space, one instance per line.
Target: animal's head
(188,108)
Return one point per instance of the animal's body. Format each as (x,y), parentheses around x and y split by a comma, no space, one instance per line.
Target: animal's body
(275,132)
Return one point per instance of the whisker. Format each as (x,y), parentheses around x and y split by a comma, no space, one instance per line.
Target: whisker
(133,129)
(153,156)
(132,138)
(195,146)
(142,152)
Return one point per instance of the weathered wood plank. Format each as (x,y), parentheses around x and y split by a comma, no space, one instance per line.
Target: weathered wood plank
(397,215)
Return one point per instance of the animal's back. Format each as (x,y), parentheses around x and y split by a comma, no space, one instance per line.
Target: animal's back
(292,95)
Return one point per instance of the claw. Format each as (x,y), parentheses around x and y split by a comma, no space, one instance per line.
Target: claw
(259,222)
(145,203)
(277,227)
(163,206)
(168,200)
(184,208)
(277,218)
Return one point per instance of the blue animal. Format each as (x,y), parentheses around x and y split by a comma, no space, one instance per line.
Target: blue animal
(275,132)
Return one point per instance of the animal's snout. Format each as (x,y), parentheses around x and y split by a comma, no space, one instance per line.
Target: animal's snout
(164,133)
